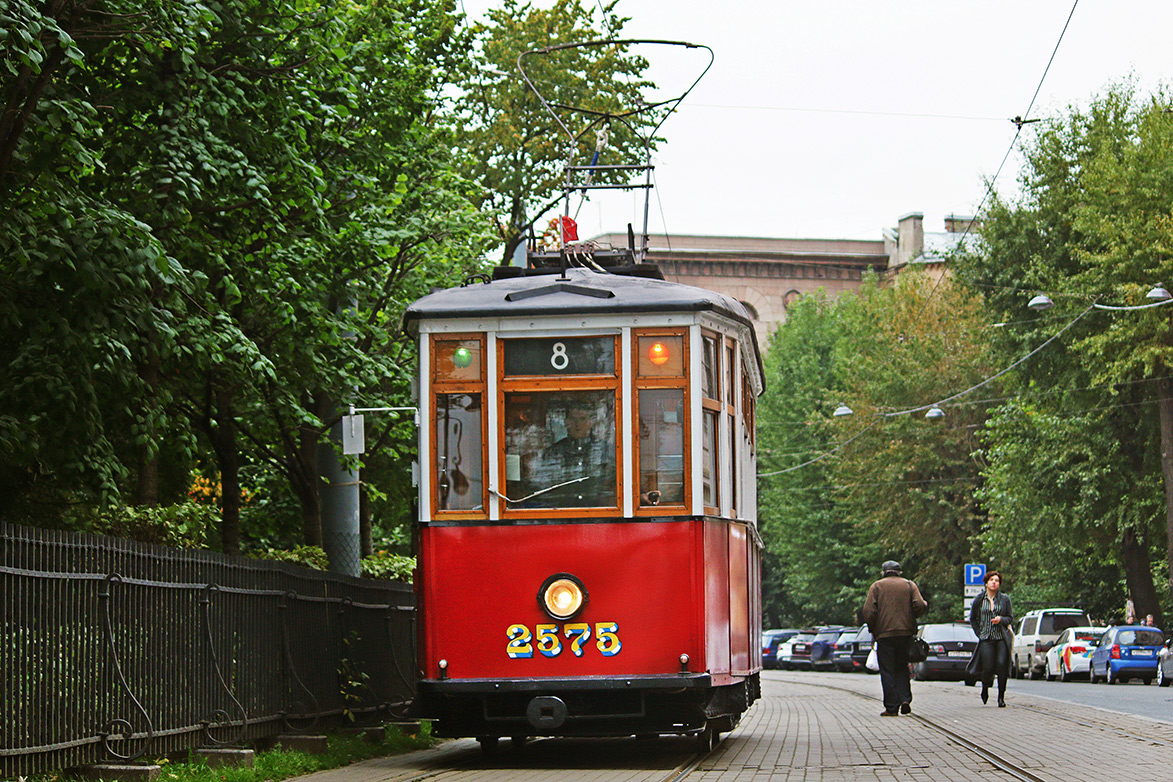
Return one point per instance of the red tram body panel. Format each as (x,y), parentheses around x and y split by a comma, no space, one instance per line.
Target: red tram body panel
(588,556)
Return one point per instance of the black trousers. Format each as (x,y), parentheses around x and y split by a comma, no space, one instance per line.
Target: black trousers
(892,655)
(993,660)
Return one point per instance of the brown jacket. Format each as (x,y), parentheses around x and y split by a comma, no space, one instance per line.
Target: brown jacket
(892,606)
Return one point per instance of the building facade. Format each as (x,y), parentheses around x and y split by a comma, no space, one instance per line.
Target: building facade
(767,275)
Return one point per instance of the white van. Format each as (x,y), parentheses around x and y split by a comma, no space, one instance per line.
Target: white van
(1037,632)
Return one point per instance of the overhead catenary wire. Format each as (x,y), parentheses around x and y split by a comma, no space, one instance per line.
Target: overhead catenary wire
(1018,121)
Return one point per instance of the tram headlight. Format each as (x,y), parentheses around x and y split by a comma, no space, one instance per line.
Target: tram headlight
(562,596)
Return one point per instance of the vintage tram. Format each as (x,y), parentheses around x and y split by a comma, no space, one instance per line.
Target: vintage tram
(588,556)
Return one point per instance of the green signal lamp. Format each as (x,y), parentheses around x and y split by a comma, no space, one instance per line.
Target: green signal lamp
(462,358)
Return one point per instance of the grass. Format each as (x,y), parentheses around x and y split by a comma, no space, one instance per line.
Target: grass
(277,764)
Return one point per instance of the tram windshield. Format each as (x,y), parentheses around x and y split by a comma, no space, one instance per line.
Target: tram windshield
(560,449)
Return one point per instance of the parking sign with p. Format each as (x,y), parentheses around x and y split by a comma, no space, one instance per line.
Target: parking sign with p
(975,574)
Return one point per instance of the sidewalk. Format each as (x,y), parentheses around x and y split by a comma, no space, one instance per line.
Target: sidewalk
(826,727)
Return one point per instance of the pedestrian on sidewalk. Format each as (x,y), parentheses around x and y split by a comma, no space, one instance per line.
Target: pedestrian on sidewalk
(993,622)
(890,610)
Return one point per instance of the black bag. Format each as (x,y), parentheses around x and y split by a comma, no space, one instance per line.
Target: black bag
(918,650)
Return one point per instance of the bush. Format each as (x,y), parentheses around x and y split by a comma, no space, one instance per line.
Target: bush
(182,525)
(388,567)
(309,556)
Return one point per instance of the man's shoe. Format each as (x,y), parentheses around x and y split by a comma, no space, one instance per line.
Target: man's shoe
(893,713)
(1001,702)
(985,694)
(906,708)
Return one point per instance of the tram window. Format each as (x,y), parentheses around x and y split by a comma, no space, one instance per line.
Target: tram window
(457,360)
(660,356)
(709,473)
(661,447)
(458,452)
(709,374)
(560,356)
(729,373)
(560,449)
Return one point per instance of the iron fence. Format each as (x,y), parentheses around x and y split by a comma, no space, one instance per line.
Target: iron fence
(112,649)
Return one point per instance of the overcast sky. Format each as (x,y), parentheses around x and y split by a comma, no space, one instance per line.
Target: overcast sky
(832,119)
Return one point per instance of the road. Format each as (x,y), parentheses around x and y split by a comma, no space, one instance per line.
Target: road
(1151,702)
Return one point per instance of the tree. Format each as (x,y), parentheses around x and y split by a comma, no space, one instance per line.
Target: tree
(881,483)
(517,151)
(816,560)
(1092,225)
(202,269)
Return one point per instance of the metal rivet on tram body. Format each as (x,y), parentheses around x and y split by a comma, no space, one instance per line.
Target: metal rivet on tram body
(684,663)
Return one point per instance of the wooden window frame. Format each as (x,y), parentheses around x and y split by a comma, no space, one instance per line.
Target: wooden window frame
(568,383)
(654,383)
(437,388)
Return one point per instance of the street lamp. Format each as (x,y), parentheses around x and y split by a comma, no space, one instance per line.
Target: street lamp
(935,412)
(842,410)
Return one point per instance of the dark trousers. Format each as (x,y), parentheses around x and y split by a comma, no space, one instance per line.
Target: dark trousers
(892,655)
(993,659)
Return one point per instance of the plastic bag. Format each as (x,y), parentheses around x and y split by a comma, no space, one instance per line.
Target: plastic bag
(873,662)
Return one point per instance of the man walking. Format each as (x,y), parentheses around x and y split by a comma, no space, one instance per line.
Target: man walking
(890,610)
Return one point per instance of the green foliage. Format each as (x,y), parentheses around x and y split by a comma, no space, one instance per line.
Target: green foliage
(182,525)
(214,216)
(516,150)
(879,484)
(307,556)
(389,567)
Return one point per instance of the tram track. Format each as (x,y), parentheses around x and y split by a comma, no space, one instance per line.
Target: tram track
(993,758)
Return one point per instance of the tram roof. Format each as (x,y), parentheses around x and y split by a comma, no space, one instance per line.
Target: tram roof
(576,291)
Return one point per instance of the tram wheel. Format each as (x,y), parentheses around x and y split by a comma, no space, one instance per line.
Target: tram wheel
(488,744)
(706,740)
(518,741)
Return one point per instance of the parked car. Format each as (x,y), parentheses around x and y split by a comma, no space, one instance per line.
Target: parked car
(823,647)
(1127,652)
(843,651)
(770,641)
(951,645)
(1037,632)
(1071,654)
(861,647)
(796,653)
(1165,664)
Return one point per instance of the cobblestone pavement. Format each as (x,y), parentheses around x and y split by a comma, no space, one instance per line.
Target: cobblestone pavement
(825,727)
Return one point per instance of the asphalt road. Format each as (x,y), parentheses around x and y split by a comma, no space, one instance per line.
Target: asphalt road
(1132,697)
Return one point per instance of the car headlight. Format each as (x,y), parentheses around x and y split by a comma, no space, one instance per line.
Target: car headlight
(562,596)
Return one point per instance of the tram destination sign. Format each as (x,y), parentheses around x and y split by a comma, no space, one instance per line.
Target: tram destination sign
(560,356)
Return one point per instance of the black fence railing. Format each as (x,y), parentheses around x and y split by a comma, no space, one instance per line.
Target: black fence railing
(111,650)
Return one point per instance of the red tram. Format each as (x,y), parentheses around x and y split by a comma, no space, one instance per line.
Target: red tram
(587,544)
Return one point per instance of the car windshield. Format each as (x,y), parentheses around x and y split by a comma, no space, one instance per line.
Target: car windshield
(1140,638)
(847,638)
(1086,635)
(828,635)
(952,632)
(1053,624)
(864,634)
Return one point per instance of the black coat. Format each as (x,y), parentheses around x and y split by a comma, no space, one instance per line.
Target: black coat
(1002,608)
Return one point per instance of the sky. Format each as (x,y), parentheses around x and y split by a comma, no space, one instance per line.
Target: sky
(833,119)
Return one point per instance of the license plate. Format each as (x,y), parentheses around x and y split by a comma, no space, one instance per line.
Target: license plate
(1142,652)
(959,654)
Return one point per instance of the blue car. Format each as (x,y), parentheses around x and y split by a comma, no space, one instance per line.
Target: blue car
(1126,652)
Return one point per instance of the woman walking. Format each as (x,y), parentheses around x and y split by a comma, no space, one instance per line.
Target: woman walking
(993,622)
